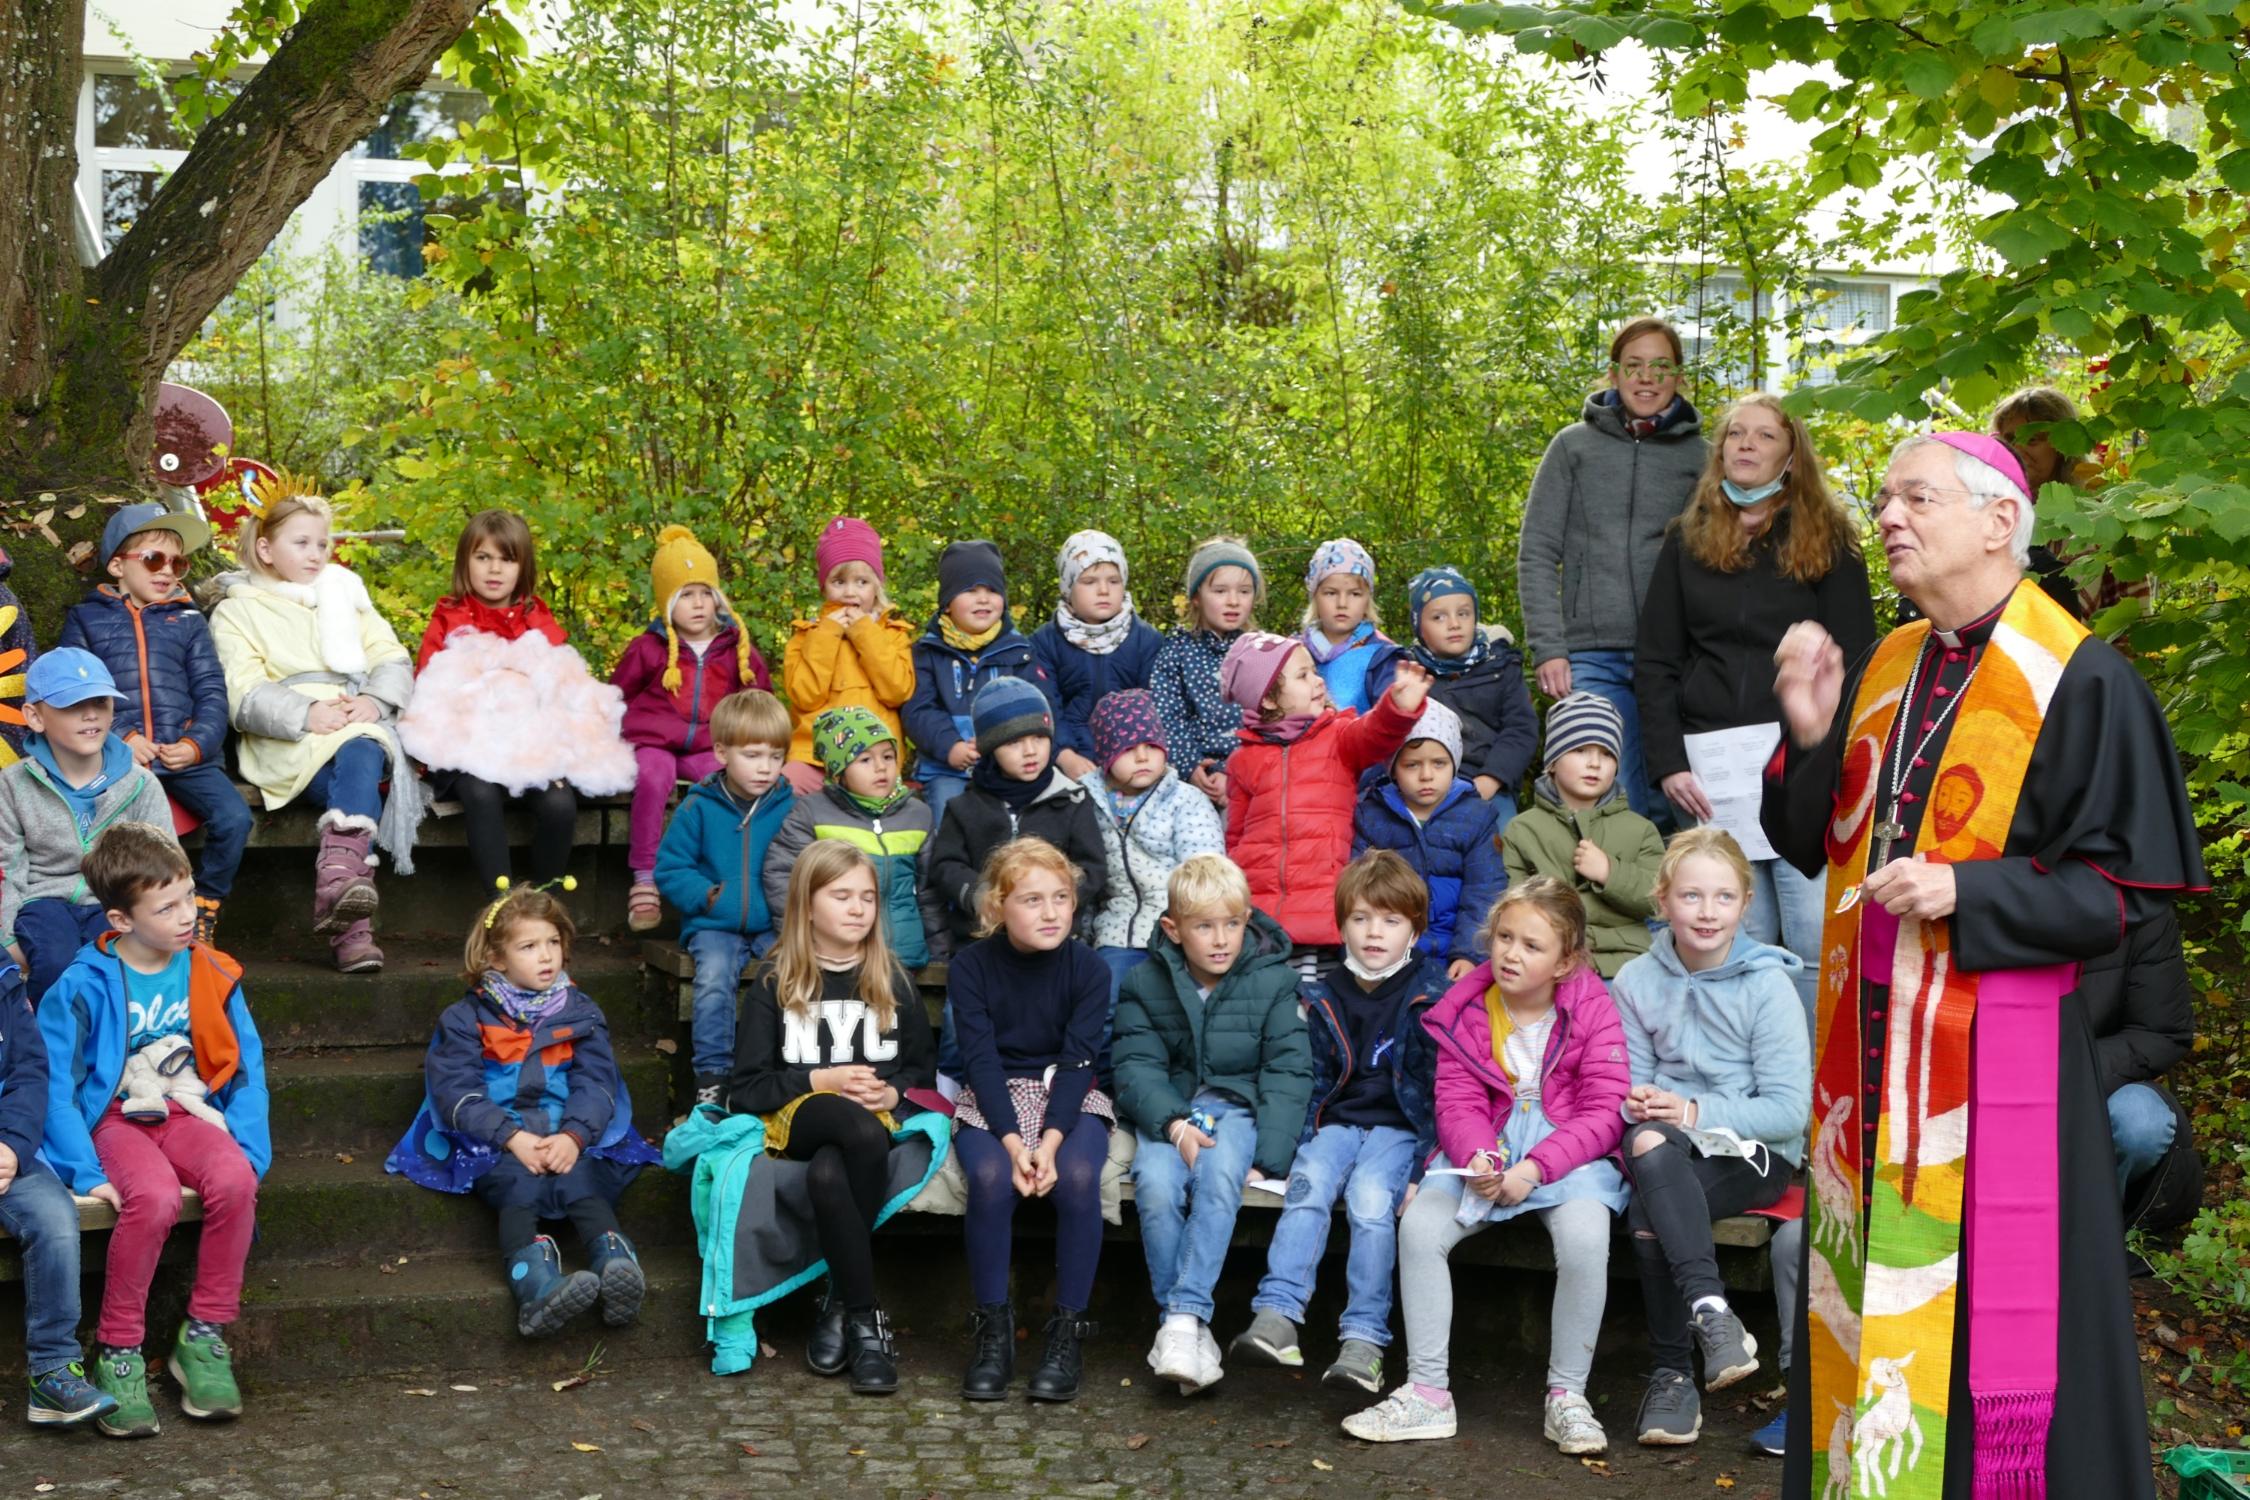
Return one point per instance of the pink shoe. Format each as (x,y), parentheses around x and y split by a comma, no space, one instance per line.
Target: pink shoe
(355,949)
(343,873)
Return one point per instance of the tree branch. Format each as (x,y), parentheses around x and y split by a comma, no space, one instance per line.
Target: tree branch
(323,90)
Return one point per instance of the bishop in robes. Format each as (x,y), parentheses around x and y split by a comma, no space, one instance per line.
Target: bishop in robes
(1993,796)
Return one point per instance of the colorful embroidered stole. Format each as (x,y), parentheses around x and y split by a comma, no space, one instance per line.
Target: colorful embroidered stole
(1882,1302)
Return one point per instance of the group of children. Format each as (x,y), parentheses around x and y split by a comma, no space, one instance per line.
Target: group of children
(1265,900)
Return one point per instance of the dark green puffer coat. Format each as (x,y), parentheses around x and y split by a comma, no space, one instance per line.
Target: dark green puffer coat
(1248,1039)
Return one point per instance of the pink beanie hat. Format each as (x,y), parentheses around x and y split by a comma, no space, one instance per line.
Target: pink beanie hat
(1253,662)
(847,539)
(1991,450)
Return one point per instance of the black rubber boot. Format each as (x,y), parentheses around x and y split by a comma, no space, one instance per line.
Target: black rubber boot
(873,1359)
(826,1352)
(992,1352)
(1060,1367)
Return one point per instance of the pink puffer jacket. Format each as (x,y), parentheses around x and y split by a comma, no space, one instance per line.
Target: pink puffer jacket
(1586,1078)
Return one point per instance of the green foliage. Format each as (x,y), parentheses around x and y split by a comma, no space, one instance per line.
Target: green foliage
(1005,269)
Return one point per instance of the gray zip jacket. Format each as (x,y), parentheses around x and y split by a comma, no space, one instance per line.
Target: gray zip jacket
(1594,524)
(40,847)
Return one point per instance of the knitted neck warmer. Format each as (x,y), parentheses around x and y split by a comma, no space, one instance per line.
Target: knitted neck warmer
(526,1007)
(960,640)
(1286,730)
(1013,791)
(1101,639)
(874,807)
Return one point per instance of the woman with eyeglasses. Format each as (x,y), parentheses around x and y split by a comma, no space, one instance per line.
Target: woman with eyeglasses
(1594,523)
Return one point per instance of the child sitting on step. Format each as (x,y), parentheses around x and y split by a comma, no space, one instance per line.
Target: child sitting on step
(1531,1072)
(149,981)
(855,652)
(315,681)
(1716,1033)
(526,1109)
(172,704)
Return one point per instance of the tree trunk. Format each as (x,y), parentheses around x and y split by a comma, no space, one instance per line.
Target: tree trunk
(82,350)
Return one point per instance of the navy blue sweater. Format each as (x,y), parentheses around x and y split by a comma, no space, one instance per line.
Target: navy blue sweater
(1457,854)
(23,1070)
(1016,1014)
(1373,1061)
(1077,680)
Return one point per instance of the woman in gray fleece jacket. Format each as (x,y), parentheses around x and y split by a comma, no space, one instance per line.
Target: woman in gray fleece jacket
(1608,486)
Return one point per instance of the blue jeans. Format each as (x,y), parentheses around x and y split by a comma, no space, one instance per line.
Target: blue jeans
(939,788)
(2140,1128)
(1187,1215)
(1504,803)
(351,782)
(1609,675)
(206,791)
(50,931)
(1368,1168)
(1121,961)
(1787,910)
(719,960)
(37,1209)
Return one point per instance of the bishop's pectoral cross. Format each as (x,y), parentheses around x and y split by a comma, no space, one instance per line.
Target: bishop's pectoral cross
(1886,832)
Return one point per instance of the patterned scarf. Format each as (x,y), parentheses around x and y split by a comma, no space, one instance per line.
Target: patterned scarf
(1453,666)
(1325,651)
(525,1007)
(1951,1145)
(1100,639)
(960,640)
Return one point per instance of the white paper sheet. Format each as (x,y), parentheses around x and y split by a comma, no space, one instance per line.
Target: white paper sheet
(1731,764)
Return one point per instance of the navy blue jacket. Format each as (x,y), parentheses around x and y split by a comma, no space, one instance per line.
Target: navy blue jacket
(1499,727)
(946,682)
(1409,1053)
(1457,854)
(23,1070)
(1077,680)
(712,863)
(169,681)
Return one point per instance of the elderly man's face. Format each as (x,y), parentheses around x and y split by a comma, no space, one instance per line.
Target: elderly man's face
(1930,528)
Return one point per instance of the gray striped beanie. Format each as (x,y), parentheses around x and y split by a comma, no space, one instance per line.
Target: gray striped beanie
(1584,719)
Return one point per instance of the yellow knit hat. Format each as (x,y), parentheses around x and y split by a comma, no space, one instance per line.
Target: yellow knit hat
(680,561)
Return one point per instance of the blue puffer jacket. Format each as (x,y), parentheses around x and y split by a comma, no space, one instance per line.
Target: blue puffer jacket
(1457,854)
(169,681)
(1077,680)
(712,863)
(1409,1052)
(945,684)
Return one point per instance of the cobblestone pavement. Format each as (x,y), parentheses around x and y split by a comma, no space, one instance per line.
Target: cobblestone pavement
(653,1431)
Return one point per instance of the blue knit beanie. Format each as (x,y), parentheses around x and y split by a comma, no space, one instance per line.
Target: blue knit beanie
(1007,709)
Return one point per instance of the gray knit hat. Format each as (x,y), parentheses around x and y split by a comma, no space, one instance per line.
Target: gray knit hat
(1584,719)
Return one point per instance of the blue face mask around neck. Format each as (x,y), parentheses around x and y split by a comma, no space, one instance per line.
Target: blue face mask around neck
(1745,498)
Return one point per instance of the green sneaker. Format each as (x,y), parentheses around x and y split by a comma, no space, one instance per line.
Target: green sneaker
(204,1371)
(123,1377)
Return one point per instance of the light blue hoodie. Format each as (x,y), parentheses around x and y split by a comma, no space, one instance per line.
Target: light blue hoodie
(1731,1038)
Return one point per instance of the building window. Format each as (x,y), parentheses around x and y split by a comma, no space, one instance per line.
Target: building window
(1862,308)
(125,197)
(418,118)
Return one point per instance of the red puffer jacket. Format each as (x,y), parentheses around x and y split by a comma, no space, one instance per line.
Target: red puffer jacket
(1289,811)
(505,621)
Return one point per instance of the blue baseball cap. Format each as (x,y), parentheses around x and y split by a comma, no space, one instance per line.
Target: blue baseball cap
(68,676)
(132,520)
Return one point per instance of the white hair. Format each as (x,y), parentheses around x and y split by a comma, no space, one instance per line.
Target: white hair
(1985,484)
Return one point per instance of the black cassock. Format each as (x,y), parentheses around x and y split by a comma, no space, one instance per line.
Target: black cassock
(2102,839)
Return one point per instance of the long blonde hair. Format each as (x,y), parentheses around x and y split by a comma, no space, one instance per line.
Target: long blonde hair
(796,969)
(1711,526)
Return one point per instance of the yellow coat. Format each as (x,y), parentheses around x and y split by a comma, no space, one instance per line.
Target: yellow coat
(823,667)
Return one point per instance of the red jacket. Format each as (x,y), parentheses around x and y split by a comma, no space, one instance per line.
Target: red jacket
(506,622)
(1585,1082)
(1289,812)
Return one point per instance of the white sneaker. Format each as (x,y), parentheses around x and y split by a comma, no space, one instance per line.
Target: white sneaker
(1571,1426)
(1402,1417)
(1208,1370)
(1176,1357)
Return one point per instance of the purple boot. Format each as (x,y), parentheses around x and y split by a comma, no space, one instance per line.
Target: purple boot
(343,872)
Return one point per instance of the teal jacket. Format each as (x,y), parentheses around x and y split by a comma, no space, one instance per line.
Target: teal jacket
(1247,1039)
(712,863)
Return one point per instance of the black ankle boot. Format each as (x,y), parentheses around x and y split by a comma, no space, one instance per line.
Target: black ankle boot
(873,1359)
(992,1352)
(1059,1370)
(826,1352)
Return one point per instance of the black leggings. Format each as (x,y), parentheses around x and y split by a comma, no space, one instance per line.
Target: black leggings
(592,1217)
(848,1156)
(1677,1196)
(554,826)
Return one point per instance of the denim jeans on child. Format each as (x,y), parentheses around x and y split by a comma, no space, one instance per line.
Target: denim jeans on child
(2140,1128)
(719,960)
(38,1210)
(939,788)
(208,792)
(351,782)
(50,931)
(1786,911)
(1368,1168)
(1609,675)
(1187,1215)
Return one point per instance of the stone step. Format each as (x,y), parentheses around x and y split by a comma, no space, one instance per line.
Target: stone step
(360,1099)
(273,894)
(300,1000)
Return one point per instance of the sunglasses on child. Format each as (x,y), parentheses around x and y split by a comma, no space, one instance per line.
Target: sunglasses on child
(157,560)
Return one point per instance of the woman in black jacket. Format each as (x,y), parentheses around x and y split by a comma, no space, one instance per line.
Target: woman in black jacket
(1761,546)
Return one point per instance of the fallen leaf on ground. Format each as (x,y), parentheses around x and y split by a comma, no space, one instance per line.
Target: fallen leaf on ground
(421,1391)
(583,1377)
(857,1452)
(386,1270)
(1138,1440)
(765,1350)
(643,1424)
(666,1045)
(1596,1466)
(345,1157)
(1724,1481)
(1323,1465)
(464,1387)
(1128,1380)
(587,1447)
(749,1448)
(42,1487)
